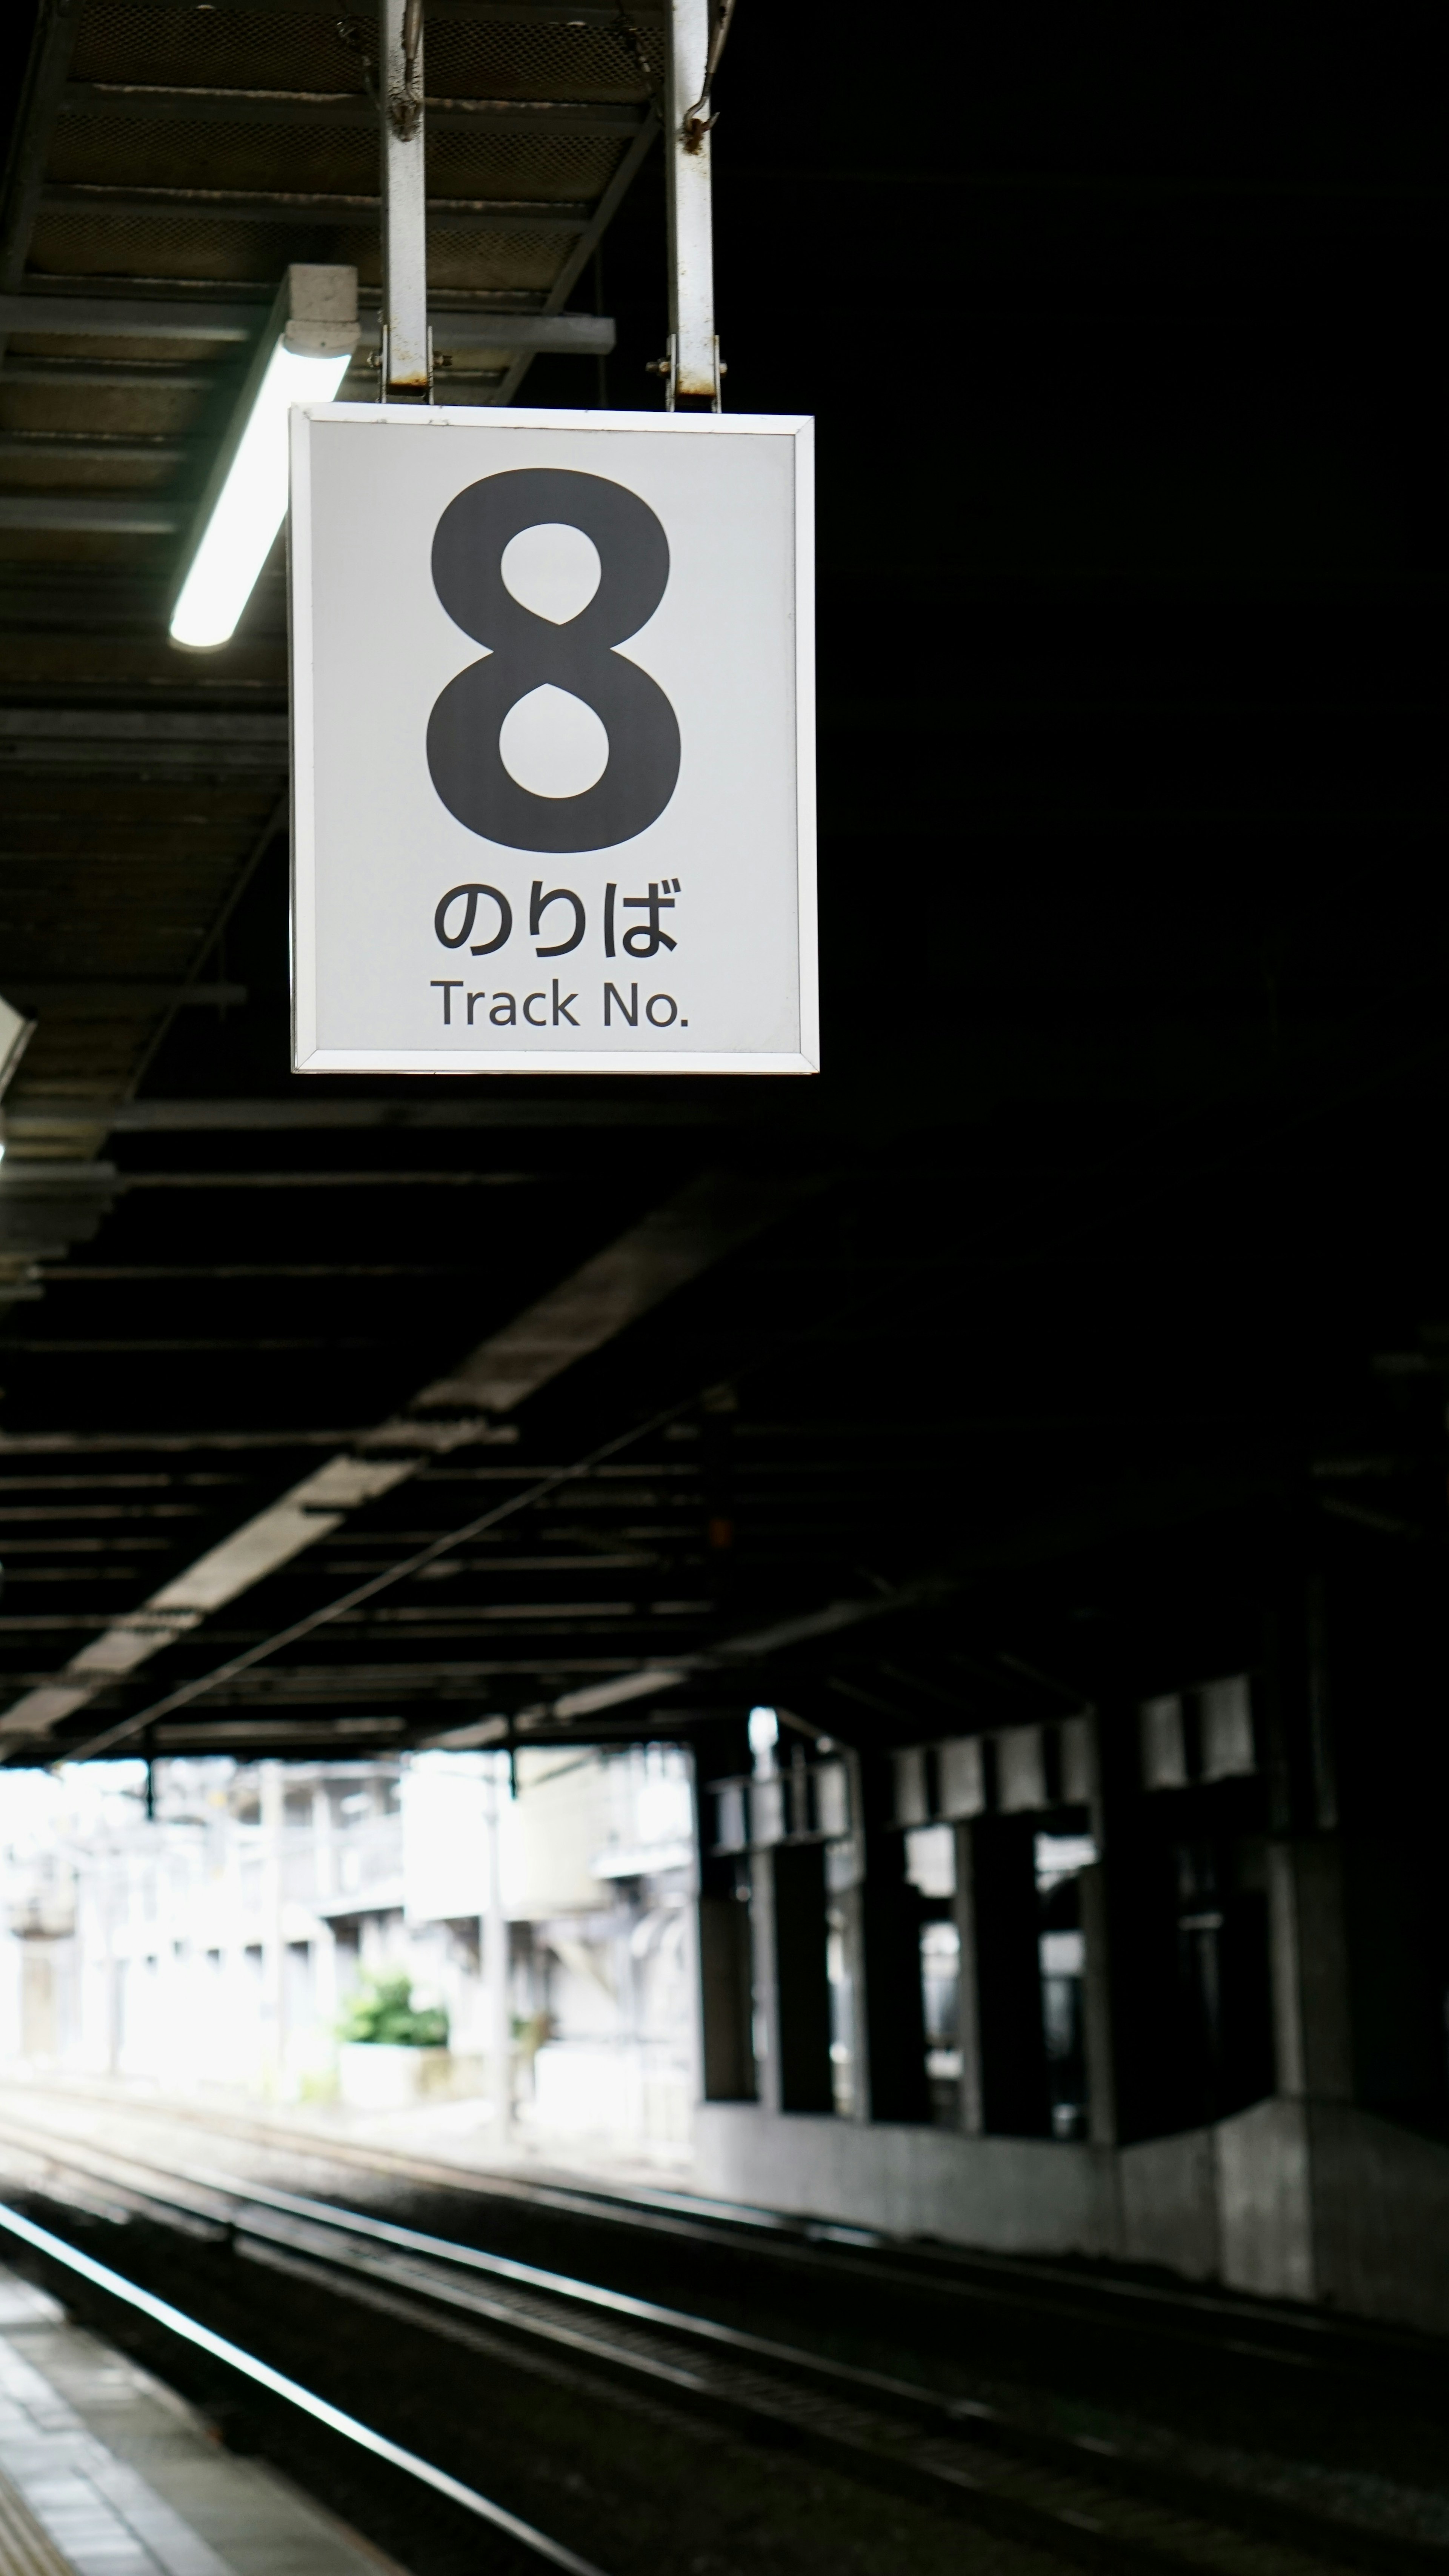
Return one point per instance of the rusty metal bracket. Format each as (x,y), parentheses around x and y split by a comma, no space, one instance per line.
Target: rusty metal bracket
(695,124)
(668,368)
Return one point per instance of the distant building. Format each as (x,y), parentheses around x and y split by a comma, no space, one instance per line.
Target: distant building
(213,1942)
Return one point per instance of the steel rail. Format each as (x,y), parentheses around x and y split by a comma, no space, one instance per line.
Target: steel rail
(442,2249)
(1070,2534)
(190,2330)
(944,2271)
(294,2248)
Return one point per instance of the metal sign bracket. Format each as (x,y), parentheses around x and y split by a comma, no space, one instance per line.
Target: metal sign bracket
(695,39)
(668,368)
(406,371)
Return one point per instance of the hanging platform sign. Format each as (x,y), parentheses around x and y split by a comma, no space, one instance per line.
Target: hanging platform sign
(553,754)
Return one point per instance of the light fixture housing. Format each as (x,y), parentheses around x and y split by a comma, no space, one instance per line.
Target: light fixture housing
(16,1032)
(302,356)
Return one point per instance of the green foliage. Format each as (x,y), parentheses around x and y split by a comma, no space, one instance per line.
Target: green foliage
(383,2011)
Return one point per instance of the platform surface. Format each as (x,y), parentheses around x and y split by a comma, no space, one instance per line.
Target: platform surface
(104,2472)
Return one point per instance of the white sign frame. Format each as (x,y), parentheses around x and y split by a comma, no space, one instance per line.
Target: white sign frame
(308,1055)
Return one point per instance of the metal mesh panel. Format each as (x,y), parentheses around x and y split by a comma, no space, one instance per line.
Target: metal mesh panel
(130,40)
(483,259)
(169,249)
(520,165)
(548,61)
(124,820)
(228,48)
(135,411)
(129,152)
(165,247)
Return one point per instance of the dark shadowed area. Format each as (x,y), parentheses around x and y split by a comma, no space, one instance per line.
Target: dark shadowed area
(997,1489)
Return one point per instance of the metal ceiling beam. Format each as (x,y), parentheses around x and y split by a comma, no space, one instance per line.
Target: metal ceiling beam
(105,374)
(204,1117)
(88,315)
(753,1646)
(93,314)
(99,1273)
(97,514)
(673,1245)
(103,317)
(157,103)
(403,1179)
(67,1348)
(583,335)
(168,1444)
(80,447)
(281,206)
(508,13)
(274,1734)
(418,1677)
(143,739)
(102,1000)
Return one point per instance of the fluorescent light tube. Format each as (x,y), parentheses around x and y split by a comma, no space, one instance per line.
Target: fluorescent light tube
(252,502)
(302,357)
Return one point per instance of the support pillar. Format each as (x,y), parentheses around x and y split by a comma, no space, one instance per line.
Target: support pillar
(495,1961)
(764,1993)
(968,2009)
(274,2024)
(801,1983)
(1308,1949)
(1010,2078)
(1313,2045)
(1129,1917)
(1102,2111)
(727,2067)
(726,2049)
(890,2079)
(891,2084)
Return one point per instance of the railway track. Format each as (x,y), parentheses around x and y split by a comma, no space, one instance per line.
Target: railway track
(1078,2498)
(55,2251)
(947,2276)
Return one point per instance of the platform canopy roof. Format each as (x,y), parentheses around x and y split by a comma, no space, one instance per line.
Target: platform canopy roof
(1100,1268)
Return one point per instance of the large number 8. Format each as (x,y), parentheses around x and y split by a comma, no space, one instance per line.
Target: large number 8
(526,651)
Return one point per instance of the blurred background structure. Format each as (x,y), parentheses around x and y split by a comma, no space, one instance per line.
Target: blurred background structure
(217,1929)
(998,1492)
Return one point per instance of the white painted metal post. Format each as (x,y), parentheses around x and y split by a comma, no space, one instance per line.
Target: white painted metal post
(693,347)
(406,367)
(499,2005)
(274,1957)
